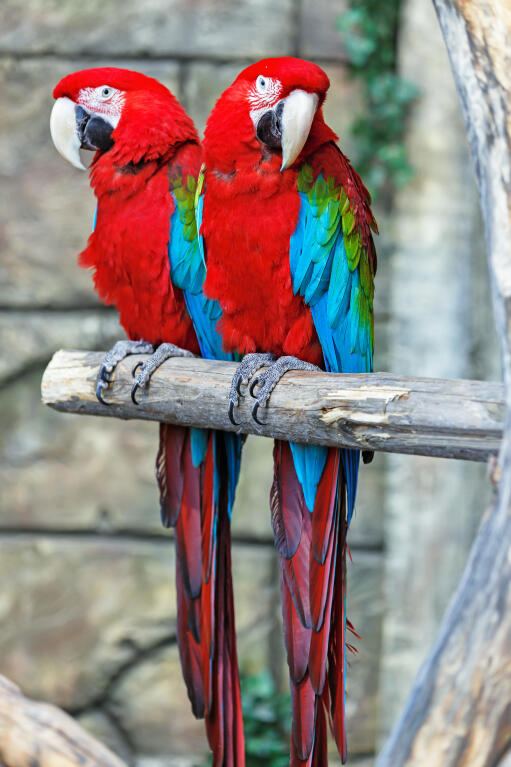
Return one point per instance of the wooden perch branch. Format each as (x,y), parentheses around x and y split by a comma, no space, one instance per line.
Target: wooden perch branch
(454,419)
(459,712)
(36,734)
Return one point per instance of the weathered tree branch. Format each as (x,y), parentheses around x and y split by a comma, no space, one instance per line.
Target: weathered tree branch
(459,712)
(454,419)
(36,734)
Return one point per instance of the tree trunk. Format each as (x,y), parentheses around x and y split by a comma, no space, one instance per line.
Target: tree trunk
(436,315)
(459,713)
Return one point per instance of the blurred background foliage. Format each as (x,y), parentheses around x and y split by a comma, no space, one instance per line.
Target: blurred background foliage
(369,31)
(266,713)
(267,719)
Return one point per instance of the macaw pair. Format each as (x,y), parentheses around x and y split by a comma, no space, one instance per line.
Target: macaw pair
(267,258)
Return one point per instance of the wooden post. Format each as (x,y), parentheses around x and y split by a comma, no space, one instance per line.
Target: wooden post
(425,416)
(459,712)
(36,734)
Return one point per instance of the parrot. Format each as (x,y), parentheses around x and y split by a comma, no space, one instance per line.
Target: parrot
(286,232)
(145,259)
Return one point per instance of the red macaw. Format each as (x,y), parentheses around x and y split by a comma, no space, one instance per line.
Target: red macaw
(145,259)
(286,224)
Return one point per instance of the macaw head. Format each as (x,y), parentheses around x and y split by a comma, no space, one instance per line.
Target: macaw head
(125,115)
(273,106)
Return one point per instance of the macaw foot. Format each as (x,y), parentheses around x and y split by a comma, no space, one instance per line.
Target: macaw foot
(147,368)
(112,358)
(268,380)
(244,372)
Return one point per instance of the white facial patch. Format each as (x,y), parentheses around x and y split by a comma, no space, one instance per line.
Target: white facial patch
(263,95)
(104,100)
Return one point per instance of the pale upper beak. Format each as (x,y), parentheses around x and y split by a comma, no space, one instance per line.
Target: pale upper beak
(297,116)
(287,125)
(64,131)
(73,128)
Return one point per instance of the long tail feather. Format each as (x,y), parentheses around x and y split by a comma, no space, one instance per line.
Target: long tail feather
(189,650)
(169,471)
(195,501)
(312,547)
(337,654)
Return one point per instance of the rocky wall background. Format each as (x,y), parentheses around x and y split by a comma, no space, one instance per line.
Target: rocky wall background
(87,603)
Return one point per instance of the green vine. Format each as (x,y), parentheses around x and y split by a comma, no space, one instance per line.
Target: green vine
(369,31)
(267,721)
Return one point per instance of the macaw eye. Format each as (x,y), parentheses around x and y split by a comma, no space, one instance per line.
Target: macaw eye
(105,92)
(261,84)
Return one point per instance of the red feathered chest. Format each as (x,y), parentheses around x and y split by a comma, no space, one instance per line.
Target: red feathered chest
(248,220)
(129,256)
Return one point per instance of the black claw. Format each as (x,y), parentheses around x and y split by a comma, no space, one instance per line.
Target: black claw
(134,391)
(99,394)
(254,414)
(254,383)
(138,365)
(231,413)
(238,386)
(105,375)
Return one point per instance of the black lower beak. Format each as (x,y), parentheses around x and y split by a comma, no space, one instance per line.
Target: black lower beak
(94,132)
(269,130)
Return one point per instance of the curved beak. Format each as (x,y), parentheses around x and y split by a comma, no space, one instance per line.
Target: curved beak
(297,116)
(64,131)
(73,128)
(287,125)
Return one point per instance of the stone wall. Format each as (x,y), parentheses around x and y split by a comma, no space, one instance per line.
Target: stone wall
(441,326)
(87,604)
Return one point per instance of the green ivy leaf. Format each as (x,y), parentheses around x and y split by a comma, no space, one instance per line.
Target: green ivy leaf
(368,29)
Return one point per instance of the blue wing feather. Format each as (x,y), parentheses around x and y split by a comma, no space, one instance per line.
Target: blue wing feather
(321,274)
(188,269)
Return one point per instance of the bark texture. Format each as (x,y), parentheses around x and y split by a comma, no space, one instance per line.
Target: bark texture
(459,713)
(379,411)
(40,735)
(440,305)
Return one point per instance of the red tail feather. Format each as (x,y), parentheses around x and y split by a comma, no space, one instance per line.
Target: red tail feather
(169,471)
(208,514)
(225,721)
(337,651)
(295,760)
(296,636)
(321,635)
(188,526)
(296,573)
(206,631)
(320,750)
(286,501)
(313,591)
(322,577)
(303,701)
(189,650)
(324,507)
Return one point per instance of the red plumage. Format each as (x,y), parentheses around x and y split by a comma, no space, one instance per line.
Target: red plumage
(128,248)
(250,212)
(154,140)
(169,465)
(313,634)
(251,208)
